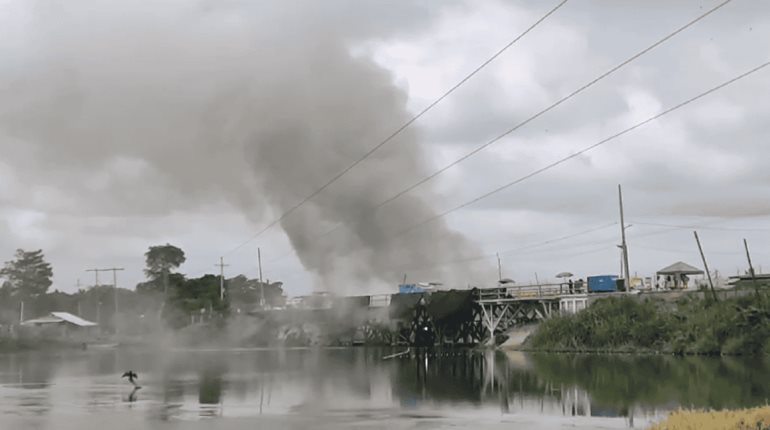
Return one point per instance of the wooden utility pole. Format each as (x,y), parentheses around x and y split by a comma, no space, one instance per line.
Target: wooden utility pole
(96,276)
(624,244)
(751,268)
(261,284)
(77,285)
(222,266)
(706,266)
(99,306)
(115,271)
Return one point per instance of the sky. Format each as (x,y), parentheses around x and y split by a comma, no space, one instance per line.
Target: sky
(198,123)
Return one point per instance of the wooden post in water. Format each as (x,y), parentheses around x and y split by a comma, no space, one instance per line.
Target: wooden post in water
(706,266)
(751,268)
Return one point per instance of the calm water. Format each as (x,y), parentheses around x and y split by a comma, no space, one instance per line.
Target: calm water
(356,388)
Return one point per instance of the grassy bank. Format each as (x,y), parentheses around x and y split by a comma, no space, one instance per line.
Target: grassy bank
(734,326)
(8,344)
(743,419)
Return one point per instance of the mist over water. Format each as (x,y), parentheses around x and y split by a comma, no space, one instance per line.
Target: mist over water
(351,388)
(190,105)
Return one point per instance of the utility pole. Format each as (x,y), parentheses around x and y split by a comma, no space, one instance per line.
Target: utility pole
(751,268)
(499,268)
(222,266)
(706,266)
(99,305)
(115,295)
(96,276)
(114,271)
(624,244)
(77,285)
(261,284)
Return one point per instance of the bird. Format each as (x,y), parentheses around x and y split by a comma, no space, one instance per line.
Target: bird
(131,376)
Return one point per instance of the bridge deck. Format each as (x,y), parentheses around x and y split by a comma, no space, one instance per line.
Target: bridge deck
(526,293)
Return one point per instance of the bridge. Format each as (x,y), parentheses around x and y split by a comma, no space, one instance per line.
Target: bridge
(474,316)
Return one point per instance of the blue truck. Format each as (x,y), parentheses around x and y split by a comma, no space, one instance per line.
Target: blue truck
(602,283)
(410,289)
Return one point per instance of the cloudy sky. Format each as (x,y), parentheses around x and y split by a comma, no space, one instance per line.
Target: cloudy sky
(198,123)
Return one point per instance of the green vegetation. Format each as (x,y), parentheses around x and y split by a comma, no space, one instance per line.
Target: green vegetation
(741,419)
(734,326)
(8,344)
(27,276)
(166,296)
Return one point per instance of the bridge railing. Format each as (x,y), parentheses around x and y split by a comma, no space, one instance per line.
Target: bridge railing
(525,291)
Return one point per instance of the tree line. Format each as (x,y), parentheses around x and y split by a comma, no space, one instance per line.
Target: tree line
(166,295)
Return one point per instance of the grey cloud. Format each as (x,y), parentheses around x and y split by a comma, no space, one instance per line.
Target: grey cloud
(252,106)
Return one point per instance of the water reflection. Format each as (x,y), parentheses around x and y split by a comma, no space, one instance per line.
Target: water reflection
(360,383)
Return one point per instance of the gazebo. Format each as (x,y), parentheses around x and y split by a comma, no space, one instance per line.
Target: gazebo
(676,275)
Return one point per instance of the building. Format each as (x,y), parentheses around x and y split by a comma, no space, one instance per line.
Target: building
(61,325)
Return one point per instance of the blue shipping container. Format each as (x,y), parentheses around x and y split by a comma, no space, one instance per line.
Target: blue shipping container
(409,289)
(604,283)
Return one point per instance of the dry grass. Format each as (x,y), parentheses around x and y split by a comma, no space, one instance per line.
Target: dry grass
(742,419)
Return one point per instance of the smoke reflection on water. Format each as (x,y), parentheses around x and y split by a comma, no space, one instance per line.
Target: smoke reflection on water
(350,385)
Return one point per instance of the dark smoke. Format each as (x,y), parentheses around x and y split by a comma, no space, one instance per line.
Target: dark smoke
(171,106)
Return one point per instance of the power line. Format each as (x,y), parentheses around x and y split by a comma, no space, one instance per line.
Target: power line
(586,149)
(533,117)
(687,251)
(402,128)
(596,246)
(505,252)
(554,105)
(692,227)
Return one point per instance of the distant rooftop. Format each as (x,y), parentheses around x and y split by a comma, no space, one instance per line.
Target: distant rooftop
(61,317)
(680,268)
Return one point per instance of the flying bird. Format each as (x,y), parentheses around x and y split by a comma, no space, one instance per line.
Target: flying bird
(131,376)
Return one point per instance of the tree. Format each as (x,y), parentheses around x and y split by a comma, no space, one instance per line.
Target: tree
(247,293)
(28,276)
(192,295)
(160,260)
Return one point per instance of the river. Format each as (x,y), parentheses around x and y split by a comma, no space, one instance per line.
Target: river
(357,388)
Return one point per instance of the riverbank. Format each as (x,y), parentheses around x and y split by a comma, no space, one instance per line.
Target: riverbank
(742,419)
(732,326)
(10,344)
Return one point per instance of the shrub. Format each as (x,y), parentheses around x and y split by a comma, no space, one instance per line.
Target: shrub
(738,325)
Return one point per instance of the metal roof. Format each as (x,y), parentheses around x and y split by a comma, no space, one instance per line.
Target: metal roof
(73,319)
(43,320)
(61,317)
(680,268)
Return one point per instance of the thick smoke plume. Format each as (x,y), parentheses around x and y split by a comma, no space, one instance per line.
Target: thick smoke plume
(146,109)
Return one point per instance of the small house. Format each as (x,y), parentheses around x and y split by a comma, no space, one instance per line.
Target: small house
(61,325)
